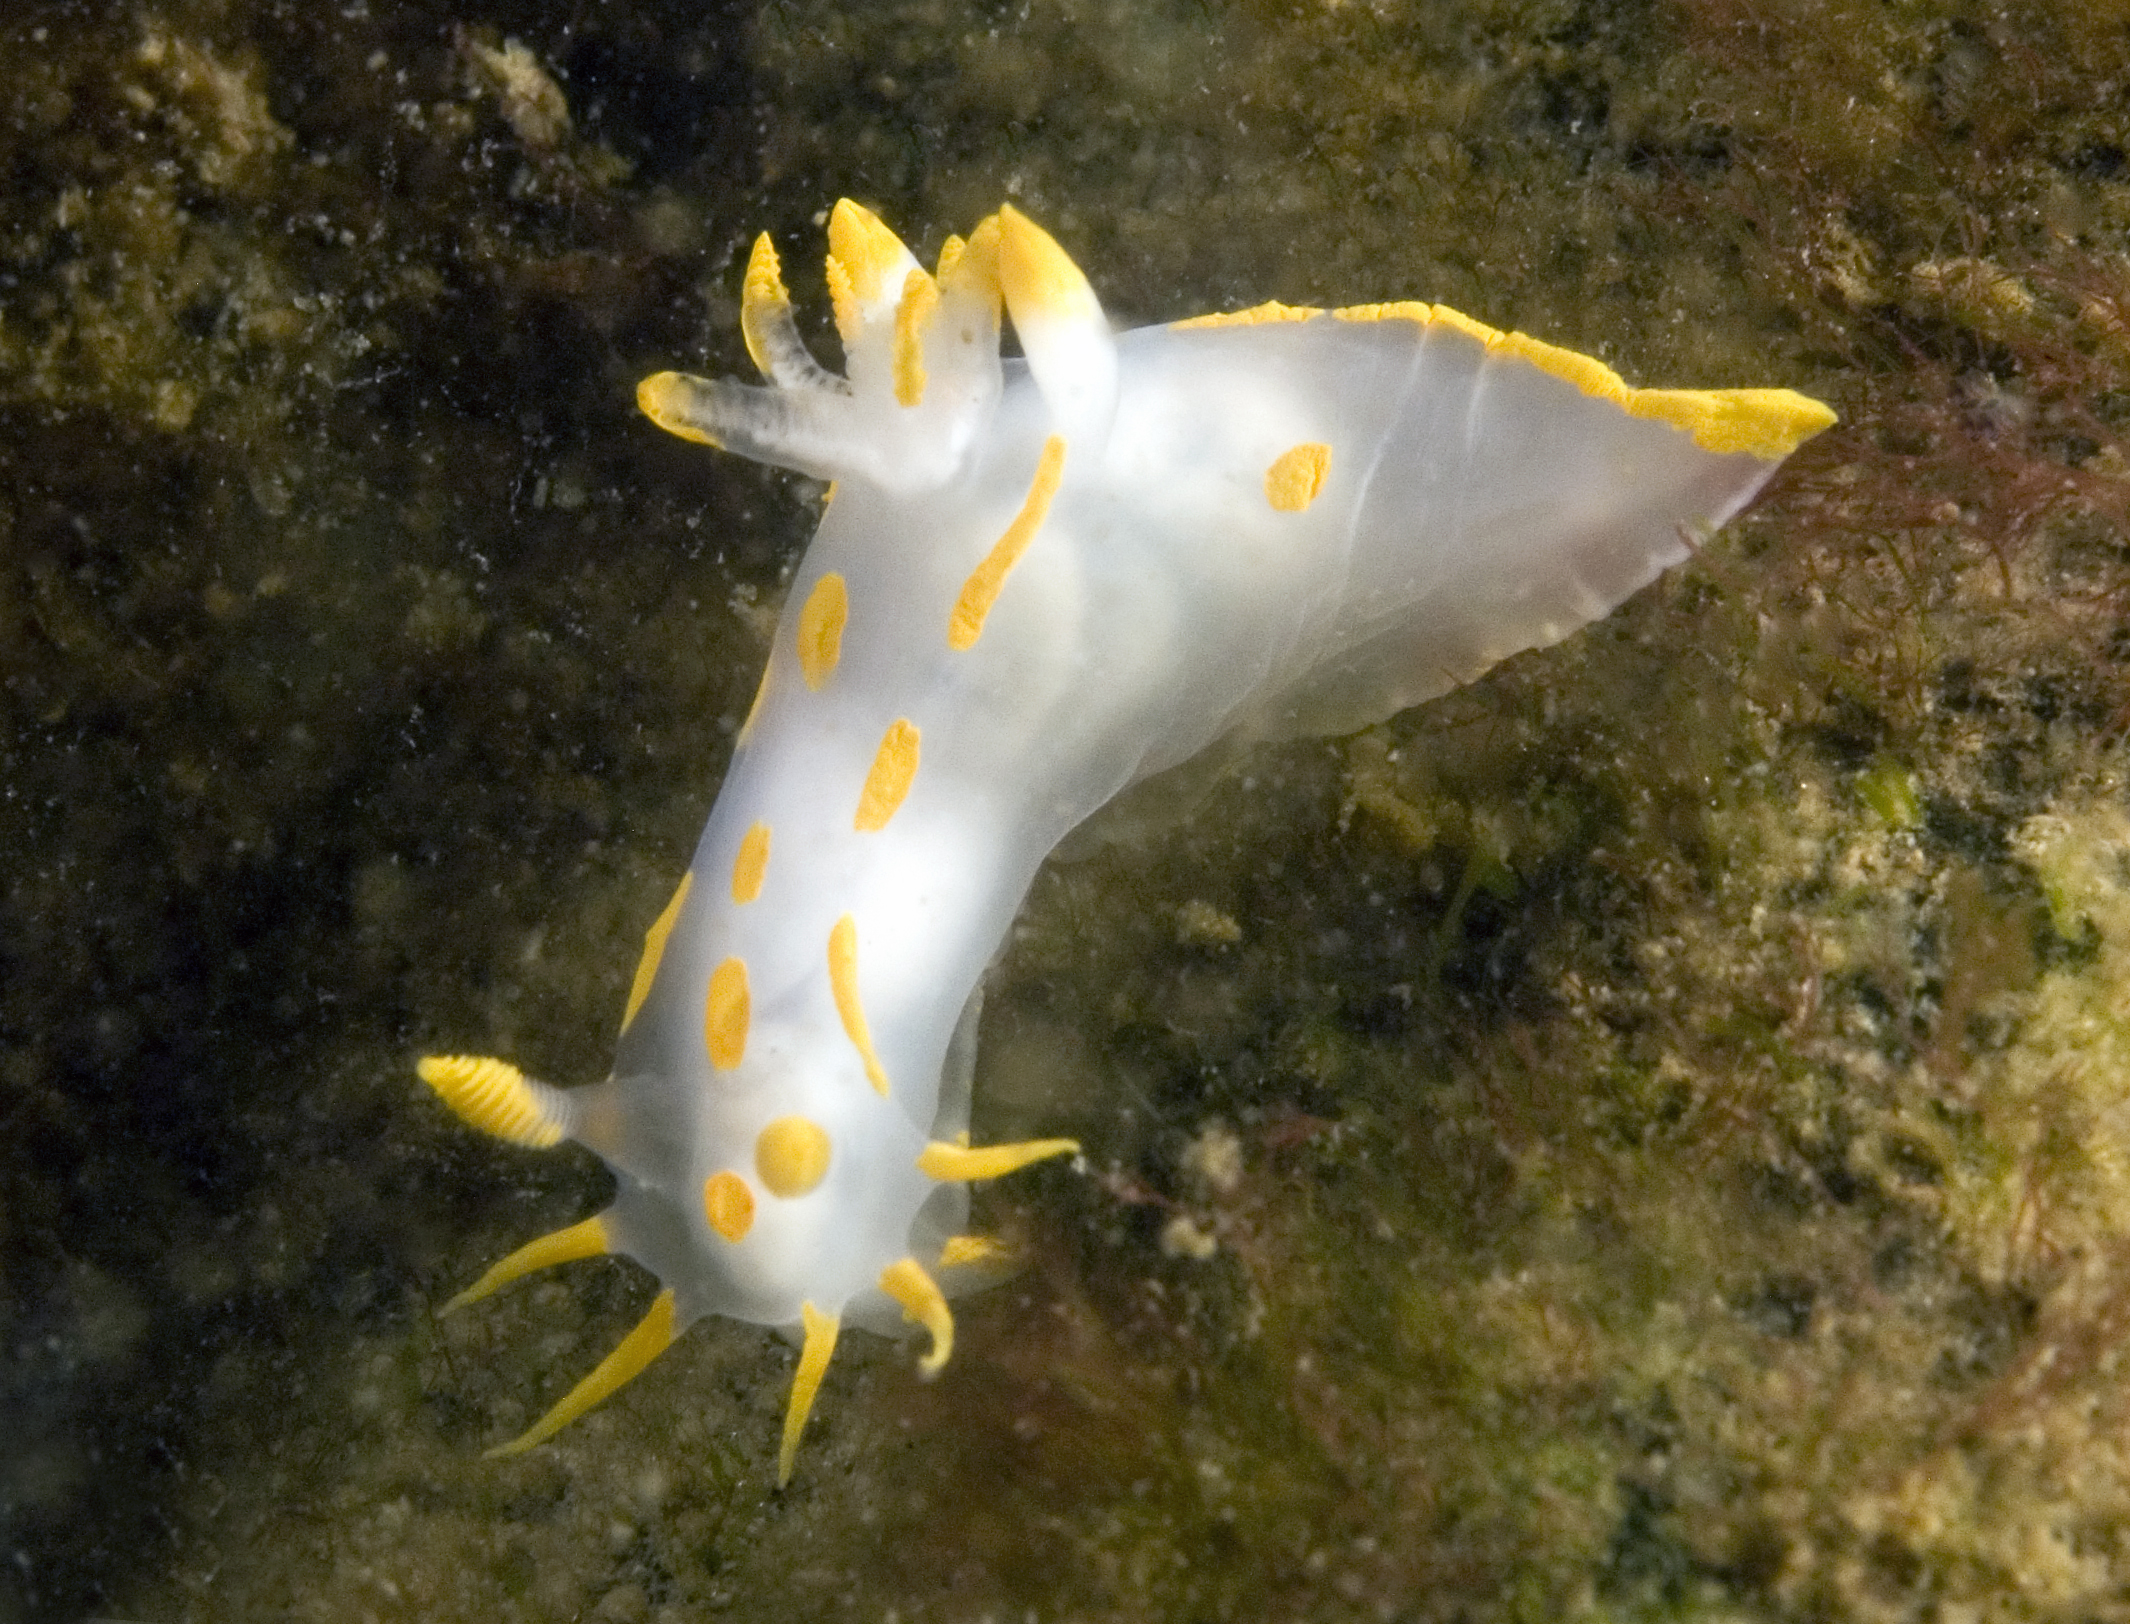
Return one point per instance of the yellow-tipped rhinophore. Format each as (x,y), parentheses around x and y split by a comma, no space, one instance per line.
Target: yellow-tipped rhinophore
(588,1239)
(652,1336)
(820,1347)
(955,1163)
(496,1097)
(1039,279)
(922,1304)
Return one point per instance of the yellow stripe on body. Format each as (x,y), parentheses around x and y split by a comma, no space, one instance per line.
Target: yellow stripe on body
(980,591)
(888,780)
(750,864)
(843,981)
(654,949)
(820,634)
(725,1015)
(1764,423)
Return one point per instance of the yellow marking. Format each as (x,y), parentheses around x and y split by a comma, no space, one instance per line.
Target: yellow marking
(725,1015)
(1458,322)
(791,1156)
(920,297)
(650,1339)
(492,1095)
(973,269)
(887,781)
(843,980)
(754,710)
(952,1164)
(821,621)
(654,949)
(588,1239)
(922,1304)
(1764,423)
(763,300)
(728,1205)
(1037,276)
(980,591)
(1296,475)
(850,317)
(751,864)
(1403,310)
(1256,316)
(950,253)
(663,398)
(805,1383)
(968,1251)
(864,247)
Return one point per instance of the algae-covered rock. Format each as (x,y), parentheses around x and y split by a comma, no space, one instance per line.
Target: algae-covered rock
(1643,1136)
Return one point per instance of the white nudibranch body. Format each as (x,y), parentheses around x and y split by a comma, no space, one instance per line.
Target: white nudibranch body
(1037,583)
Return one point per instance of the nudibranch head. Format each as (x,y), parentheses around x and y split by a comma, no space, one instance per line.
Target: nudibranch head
(1039,581)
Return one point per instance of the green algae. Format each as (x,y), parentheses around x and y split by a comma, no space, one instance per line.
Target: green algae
(1640,1138)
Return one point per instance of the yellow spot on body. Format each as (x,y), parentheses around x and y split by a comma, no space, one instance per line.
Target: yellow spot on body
(1296,475)
(762,300)
(1256,316)
(791,1156)
(663,397)
(843,981)
(654,949)
(806,1382)
(725,1015)
(652,1336)
(588,1239)
(980,591)
(969,1251)
(920,297)
(888,780)
(751,863)
(922,1304)
(728,1205)
(492,1095)
(955,1163)
(821,620)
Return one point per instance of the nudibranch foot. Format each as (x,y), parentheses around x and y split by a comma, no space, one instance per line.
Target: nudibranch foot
(1042,581)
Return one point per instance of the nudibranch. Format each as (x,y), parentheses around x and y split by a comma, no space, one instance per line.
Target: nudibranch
(1038,581)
